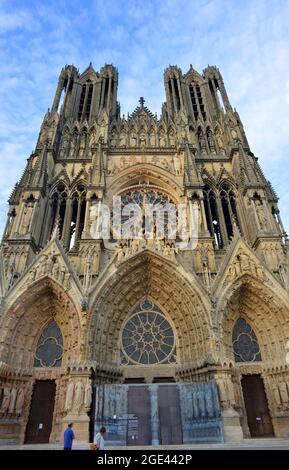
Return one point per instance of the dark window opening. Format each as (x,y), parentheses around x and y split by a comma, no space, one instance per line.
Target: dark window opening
(200,100)
(88,102)
(194,101)
(81,102)
(213,217)
(106,87)
(177,95)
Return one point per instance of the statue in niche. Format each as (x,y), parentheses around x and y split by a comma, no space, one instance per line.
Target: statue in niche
(79,395)
(26,218)
(113,140)
(5,400)
(88,396)
(211,142)
(142,140)
(82,145)
(93,217)
(102,131)
(261,215)
(92,139)
(162,139)
(152,139)
(122,139)
(69,396)
(183,135)
(64,145)
(202,142)
(73,146)
(132,139)
(171,139)
(13,395)
(219,140)
(20,401)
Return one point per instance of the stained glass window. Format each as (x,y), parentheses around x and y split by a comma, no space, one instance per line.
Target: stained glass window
(245,343)
(50,347)
(159,210)
(148,337)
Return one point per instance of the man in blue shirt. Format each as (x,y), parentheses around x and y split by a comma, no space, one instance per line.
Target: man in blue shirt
(68,437)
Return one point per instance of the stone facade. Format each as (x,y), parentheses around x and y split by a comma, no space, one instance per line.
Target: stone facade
(53,268)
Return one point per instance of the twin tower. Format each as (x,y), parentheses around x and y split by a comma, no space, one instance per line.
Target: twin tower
(202,331)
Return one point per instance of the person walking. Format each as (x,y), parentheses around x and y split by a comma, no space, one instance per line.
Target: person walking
(99,439)
(68,437)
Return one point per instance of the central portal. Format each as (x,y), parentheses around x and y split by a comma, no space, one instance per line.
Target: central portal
(164,413)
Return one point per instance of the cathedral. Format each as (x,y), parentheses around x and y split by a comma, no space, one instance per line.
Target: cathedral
(177,332)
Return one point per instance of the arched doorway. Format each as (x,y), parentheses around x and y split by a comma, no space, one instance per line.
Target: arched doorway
(148,323)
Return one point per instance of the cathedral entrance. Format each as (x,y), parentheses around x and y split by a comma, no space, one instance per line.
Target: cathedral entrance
(169,415)
(158,413)
(258,415)
(139,414)
(41,412)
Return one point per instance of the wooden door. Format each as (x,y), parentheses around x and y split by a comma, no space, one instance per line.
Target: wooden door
(258,415)
(169,415)
(41,412)
(139,419)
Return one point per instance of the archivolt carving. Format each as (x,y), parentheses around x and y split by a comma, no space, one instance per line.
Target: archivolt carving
(23,323)
(147,275)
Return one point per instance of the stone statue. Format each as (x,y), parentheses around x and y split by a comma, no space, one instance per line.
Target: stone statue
(122,139)
(132,140)
(20,401)
(82,145)
(177,164)
(219,140)
(13,395)
(202,142)
(283,392)
(110,167)
(27,213)
(88,396)
(171,139)
(211,142)
(276,395)
(142,140)
(64,146)
(69,396)
(113,140)
(79,395)
(73,146)
(5,400)
(261,215)
(162,139)
(152,139)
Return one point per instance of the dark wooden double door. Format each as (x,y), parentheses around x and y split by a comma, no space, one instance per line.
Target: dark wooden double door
(258,415)
(139,410)
(39,424)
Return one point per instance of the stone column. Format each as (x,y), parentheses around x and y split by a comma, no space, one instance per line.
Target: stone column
(154,414)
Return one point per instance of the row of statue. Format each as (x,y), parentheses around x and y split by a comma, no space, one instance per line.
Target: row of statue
(81,144)
(173,165)
(127,248)
(12,399)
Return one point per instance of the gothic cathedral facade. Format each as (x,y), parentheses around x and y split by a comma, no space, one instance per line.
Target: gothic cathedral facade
(90,321)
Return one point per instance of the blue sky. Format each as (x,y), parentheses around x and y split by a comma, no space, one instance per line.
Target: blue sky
(247,39)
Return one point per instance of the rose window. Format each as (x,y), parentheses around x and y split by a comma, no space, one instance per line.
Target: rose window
(147,337)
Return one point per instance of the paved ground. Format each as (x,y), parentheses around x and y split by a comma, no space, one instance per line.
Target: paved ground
(254,444)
